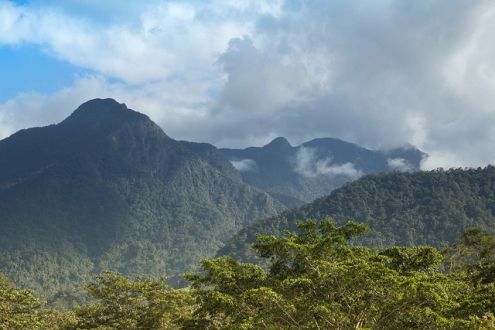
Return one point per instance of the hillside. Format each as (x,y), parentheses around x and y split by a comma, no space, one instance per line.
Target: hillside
(422,208)
(315,168)
(108,189)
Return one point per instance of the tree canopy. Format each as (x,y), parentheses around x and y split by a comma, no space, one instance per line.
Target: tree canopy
(315,278)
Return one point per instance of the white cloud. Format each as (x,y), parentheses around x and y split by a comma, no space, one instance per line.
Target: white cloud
(307,164)
(169,39)
(324,167)
(257,83)
(34,109)
(244,165)
(399,164)
(391,73)
(233,73)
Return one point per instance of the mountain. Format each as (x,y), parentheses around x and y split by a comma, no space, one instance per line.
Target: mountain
(107,189)
(421,208)
(315,168)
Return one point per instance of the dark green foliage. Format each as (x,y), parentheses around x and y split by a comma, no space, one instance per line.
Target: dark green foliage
(275,165)
(426,208)
(316,280)
(474,255)
(106,189)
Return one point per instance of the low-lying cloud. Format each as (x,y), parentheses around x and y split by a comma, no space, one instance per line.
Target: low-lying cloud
(308,165)
(244,165)
(399,164)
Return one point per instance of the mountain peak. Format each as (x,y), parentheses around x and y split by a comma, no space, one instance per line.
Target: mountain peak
(97,108)
(102,103)
(328,142)
(102,111)
(279,142)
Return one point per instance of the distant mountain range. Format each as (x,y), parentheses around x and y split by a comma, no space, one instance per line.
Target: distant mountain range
(422,208)
(313,169)
(108,189)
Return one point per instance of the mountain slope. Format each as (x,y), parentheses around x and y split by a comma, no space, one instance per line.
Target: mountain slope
(107,189)
(315,168)
(431,208)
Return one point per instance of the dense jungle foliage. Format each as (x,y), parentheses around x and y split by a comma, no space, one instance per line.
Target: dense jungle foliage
(107,189)
(315,279)
(421,208)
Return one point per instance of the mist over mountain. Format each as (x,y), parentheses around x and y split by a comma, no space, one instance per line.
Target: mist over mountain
(107,189)
(315,168)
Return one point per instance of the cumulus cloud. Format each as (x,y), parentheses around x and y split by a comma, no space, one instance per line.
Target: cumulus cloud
(169,39)
(244,165)
(308,165)
(233,73)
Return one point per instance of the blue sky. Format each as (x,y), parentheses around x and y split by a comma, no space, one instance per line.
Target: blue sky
(379,73)
(27,69)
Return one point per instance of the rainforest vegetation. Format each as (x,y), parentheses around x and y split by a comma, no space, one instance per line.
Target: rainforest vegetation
(103,213)
(421,208)
(107,189)
(315,278)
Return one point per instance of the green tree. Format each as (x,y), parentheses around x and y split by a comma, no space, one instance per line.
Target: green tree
(474,256)
(318,280)
(19,309)
(472,260)
(122,303)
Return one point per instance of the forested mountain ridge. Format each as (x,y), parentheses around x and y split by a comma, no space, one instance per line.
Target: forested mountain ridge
(107,189)
(313,169)
(430,208)
(313,279)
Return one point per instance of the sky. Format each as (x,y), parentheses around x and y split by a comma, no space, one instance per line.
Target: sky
(379,73)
